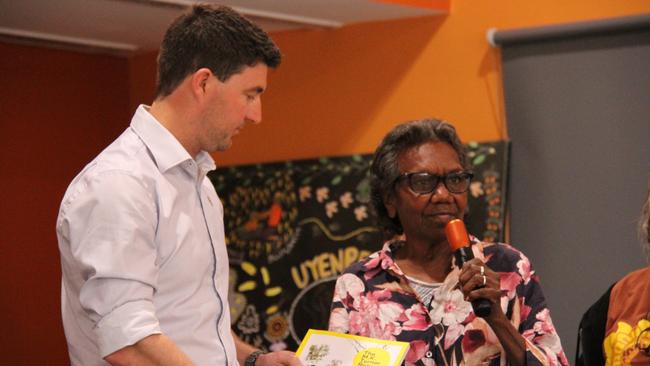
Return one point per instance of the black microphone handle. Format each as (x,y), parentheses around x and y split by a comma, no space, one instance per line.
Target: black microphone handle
(481,307)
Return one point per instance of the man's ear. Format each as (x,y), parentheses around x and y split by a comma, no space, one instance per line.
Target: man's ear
(199,80)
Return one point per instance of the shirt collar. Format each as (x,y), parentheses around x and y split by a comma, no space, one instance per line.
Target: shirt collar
(166,150)
(385,258)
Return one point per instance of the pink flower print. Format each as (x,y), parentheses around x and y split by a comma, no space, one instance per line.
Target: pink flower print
(373,260)
(387,262)
(479,343)
(504,302)
(339,320)
(482,325)
(416,351)
(376,263)
(452,334)
(544,325)
(551,345)
(523,265)
(525,309)
(508,282)
(529,334)
(360,323)
(477,250)
(449,307)
(349,288)
(417,318)
(346,199)
(428,362)
(374,315)
(371,273)
(473,339)
(379,296)
(388,331)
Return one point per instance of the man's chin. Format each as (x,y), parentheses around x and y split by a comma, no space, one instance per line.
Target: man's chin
(223,146)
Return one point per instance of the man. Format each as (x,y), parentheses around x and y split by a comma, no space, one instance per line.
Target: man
(140,229)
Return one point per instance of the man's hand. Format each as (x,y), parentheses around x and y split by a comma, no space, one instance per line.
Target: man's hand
(280,358)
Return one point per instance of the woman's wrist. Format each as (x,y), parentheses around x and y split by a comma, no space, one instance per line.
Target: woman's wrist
(497,318)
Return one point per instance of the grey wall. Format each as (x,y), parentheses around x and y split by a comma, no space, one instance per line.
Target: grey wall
(578,113)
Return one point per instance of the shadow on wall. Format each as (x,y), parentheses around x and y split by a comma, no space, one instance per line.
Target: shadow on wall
(490,72)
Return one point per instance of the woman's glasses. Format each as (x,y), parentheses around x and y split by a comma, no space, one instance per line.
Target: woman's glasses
(424,183)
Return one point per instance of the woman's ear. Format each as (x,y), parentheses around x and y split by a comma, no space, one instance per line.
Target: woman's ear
(389,204)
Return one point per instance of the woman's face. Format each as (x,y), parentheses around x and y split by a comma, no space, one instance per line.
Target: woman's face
(424,216)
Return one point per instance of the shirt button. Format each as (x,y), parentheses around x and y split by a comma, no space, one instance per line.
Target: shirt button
(429,354)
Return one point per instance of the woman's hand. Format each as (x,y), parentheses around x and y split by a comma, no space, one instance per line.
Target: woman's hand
(476,281)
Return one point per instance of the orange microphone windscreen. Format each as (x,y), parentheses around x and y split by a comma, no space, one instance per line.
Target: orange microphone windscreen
(456,234)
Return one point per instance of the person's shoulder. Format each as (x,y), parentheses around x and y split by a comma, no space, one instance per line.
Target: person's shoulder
(503,253)
(363,265)
(511,263)
(639,276)
(123,164)
(126,155)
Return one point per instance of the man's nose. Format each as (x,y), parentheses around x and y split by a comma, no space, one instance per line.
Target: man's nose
(254,114)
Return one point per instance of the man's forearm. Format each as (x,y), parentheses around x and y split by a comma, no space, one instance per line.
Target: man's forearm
(154,350)
(243,349)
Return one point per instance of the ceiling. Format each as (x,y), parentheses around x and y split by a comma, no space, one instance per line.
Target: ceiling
(126,27)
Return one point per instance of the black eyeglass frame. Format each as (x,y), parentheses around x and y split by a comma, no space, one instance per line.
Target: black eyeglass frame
(468,175)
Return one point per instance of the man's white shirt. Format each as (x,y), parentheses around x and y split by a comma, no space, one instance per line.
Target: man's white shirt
(142,246)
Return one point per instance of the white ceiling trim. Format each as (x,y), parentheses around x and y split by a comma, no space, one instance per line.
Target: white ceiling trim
(289,18)
(124,27)
(87,42)
(265,14)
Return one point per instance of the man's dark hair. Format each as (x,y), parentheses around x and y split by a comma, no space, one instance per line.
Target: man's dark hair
(215,37)
(384,169)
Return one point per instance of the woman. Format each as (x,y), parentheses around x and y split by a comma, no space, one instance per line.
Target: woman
(411,290)
(627,330)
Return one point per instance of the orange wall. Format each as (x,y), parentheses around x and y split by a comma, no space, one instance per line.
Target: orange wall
(57,110)
(337,92)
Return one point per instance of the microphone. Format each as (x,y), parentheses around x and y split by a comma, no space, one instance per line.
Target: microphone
(459,243)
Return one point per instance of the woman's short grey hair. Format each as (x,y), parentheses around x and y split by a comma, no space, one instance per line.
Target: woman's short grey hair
(644,227)
(384,170)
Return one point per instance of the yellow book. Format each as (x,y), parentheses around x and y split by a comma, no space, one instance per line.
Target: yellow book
(325,348)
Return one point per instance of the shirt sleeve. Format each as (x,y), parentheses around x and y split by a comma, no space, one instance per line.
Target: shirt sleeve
(111,225)
(347,292)
(543,345)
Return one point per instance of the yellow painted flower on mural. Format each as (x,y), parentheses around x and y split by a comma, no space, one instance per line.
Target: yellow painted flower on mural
(251,285)
(621,345)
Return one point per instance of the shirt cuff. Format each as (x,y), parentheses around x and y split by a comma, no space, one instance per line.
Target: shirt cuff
(126,325)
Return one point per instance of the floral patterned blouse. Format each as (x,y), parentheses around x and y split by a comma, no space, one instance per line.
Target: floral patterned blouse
(373,299)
